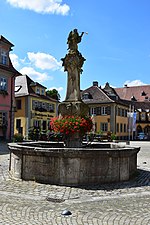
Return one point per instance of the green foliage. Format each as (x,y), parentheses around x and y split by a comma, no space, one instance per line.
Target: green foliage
(113,136)
(100,132)
(17,138)
(34,133)
(53,94)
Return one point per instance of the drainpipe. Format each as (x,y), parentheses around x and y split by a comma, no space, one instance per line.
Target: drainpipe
(11,108)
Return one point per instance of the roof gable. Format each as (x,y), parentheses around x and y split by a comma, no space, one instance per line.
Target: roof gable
(97,95)
(140,93)
(4,40)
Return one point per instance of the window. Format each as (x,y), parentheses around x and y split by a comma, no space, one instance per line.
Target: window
(37,123)
(38,90)
(118,112)
(103,110)
(43,105)
(4,57)
(42,92)
(18,104)
(125,128)
(3,119)
(18,123)
(44,125)
(18,126)
(123,112)
(104,127)
(36,104)
(85,96)
(143,116)
(117,127)
(39,104)
(3,84)
(121,128)
(51,107)
(98,111)
(92,111)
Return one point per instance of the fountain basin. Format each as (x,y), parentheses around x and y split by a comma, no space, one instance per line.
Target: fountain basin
(52,163)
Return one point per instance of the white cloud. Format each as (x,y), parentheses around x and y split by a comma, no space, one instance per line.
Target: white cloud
(35,75)
(15,60)
(44,61)
(34,63)
(134,83)
(42,6)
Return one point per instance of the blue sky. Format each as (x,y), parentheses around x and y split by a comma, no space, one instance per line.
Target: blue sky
(117,47)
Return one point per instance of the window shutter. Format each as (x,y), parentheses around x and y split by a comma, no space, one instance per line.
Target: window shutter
(108,110)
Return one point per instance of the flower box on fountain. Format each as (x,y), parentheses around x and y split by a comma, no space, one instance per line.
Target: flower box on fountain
(73,128)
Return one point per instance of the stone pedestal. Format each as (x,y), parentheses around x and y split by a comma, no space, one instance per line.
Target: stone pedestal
(75,108)
(73,140)
(73,63)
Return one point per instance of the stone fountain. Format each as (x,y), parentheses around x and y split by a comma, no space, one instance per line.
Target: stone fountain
(72,163)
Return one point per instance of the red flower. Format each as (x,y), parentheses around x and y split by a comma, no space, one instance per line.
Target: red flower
(71,124)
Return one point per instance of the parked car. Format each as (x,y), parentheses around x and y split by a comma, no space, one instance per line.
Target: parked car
(142,136)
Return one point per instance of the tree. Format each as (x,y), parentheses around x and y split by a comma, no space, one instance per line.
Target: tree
(53,94)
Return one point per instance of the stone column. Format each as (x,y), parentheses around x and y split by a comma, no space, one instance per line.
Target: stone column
(73,105)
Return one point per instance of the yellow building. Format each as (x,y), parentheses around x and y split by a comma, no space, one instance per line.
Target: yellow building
(33,107)
(112,108)
(108,111)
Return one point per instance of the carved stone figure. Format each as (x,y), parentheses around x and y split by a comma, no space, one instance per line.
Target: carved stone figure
(73,65)
(73,39)
(73,62)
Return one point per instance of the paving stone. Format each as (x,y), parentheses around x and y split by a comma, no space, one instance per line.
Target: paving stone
(28,203)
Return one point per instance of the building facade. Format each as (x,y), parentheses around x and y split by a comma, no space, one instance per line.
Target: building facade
(108,111)
(112,107)
(7,86)
(33,107)
(138,99)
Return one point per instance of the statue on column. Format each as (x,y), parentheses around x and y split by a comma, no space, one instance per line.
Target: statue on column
(73,62)
(73,39)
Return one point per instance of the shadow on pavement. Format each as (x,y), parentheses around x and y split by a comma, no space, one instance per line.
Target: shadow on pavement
(3,148)
(141,179)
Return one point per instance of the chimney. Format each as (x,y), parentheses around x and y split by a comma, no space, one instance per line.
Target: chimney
(95,83)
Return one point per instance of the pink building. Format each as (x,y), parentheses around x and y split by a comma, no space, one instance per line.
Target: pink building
(7,86)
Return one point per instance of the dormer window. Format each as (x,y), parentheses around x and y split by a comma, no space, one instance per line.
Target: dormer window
(133,98)
(38,91)
(42,92)
(143,93)
(86,96)
(4,57)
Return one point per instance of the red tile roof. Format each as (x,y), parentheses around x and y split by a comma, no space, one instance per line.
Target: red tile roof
(140,93)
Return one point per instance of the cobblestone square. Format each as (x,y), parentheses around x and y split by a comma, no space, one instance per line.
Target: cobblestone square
(28,203)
